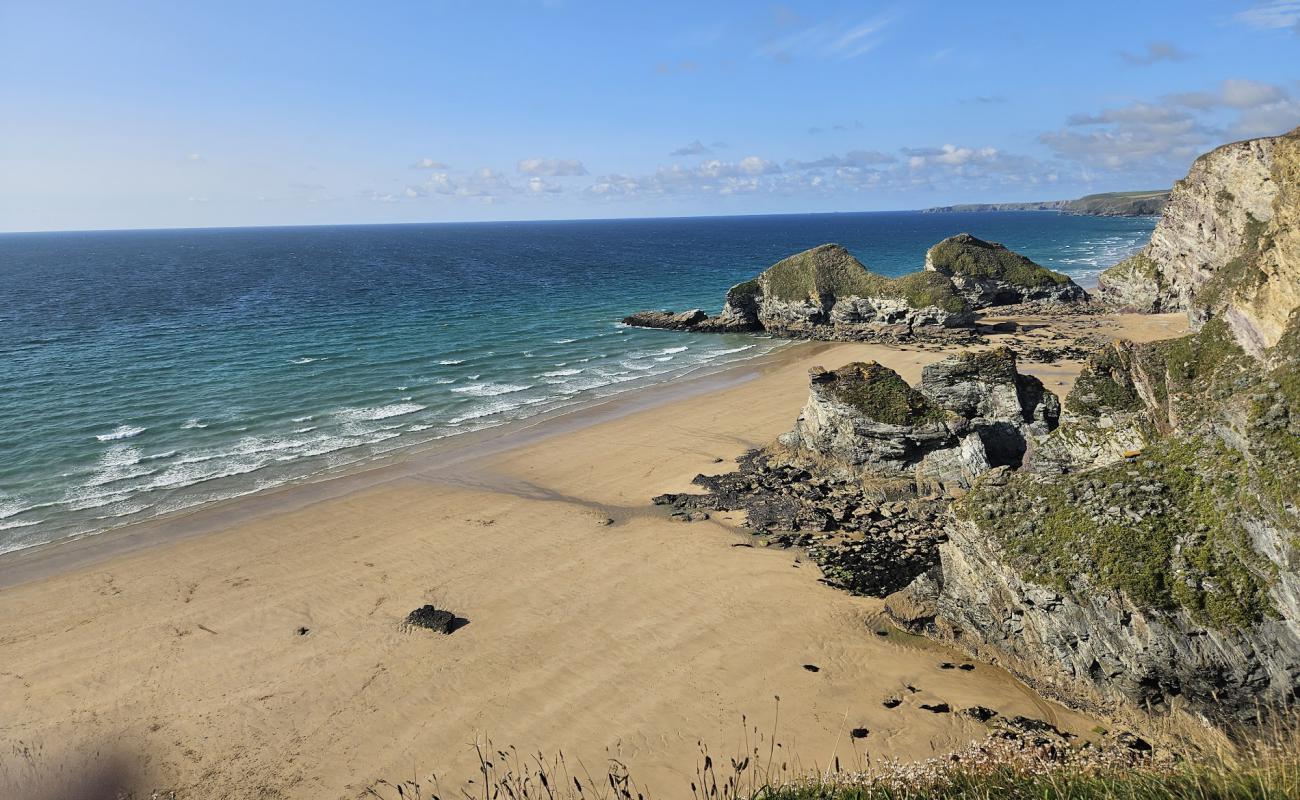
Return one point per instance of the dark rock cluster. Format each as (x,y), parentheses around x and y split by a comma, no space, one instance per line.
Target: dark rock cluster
(867,542)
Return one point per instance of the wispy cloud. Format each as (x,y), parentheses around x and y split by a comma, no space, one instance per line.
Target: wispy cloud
(1271,14)
(1154,53)
(428,163)
(824,39)
(551,167)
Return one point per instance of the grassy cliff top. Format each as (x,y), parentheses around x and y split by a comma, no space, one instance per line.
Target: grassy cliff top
(829,271)
(882,394)
(972,257)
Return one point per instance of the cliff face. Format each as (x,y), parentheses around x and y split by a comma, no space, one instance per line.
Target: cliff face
(1148,554)
(1165,575)
(1227,246)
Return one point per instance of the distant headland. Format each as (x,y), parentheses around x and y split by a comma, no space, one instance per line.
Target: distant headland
(1107,204)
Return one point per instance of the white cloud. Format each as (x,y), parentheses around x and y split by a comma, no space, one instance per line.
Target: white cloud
(428,163)
(951,167)
(753,165)
(1271,14)
(551,167)
(1163,136)
(193,157)
(542,186)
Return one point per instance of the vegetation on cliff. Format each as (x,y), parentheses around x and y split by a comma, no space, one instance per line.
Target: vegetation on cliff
(1162,530)
(1168,528)
(829,271)
(882,395)
(972,257)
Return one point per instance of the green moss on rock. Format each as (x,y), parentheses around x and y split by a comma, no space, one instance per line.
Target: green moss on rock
(1163,530)
(828,272)
(1104,385)
(882,395)
(972,257)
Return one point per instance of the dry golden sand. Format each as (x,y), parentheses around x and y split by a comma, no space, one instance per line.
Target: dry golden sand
(182,661)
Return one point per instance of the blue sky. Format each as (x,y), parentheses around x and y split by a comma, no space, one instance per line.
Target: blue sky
(143,114)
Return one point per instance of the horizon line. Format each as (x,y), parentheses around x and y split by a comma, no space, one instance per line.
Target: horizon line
(504,221)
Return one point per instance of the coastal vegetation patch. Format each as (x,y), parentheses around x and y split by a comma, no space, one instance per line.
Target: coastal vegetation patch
(972,257)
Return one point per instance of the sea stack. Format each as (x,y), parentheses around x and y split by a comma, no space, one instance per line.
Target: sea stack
(826,293)
(989,274)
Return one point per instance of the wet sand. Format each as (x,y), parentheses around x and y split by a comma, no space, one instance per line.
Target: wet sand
(597,625)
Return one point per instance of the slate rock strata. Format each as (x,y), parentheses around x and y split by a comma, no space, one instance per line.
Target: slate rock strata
(1145,555)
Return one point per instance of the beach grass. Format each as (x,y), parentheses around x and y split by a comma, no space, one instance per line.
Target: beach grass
(1256,762)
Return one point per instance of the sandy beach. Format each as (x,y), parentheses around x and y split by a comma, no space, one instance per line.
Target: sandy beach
(596,625)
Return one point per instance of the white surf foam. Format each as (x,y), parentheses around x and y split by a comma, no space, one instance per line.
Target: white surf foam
(121,432)
(490,389)
(379,412)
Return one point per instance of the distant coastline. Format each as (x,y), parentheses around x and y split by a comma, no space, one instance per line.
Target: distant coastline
(1107,204)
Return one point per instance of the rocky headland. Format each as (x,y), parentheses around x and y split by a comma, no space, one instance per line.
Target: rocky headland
(1132,550)
(825,293)
(1106,204)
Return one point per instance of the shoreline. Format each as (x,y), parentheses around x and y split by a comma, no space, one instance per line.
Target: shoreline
(258,649)
(83,550)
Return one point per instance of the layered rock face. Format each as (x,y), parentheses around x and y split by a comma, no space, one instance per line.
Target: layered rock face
(988,274)
(1150,561)
(1227,246)
(1148,555)
(826,293)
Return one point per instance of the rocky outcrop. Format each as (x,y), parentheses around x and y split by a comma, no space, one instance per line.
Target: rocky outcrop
(1228,245)
(988,274)
(826,293)
(865,416)
(863,479)
(668,320)
(1008,411)
(972,411)
(1146,556)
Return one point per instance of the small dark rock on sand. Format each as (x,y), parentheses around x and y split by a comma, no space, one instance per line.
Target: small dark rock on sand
(980,713)
(859,733)
(892,702)
(812,667)
(433,618)
(937,708)
(303,631)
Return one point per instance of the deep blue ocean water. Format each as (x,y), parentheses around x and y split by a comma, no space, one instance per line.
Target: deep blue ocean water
(143,372)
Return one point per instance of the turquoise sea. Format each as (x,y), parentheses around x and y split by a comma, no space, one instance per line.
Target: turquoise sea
(144,372)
